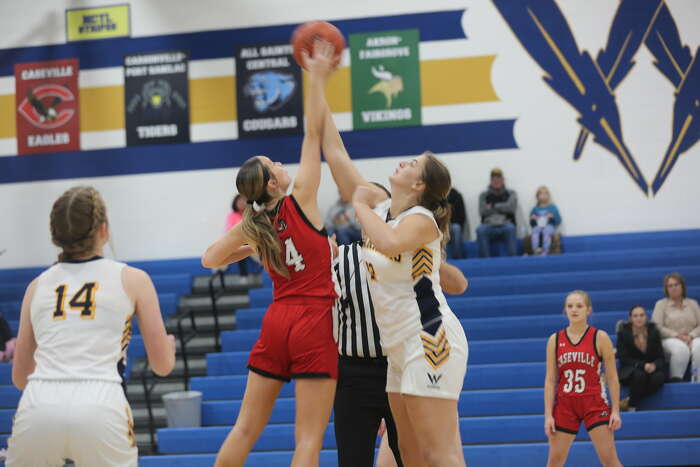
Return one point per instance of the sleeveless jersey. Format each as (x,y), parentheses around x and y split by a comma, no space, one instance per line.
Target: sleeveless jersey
(579,365)
(406,288)
(307,253)
(81,317)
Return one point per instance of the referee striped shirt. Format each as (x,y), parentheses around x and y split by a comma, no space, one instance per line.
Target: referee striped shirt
(354,326)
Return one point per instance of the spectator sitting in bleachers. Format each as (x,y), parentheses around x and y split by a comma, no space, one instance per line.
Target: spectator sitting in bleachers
(251,263)
(544,219)
(678,319)
(7,341)
(455,249)
(497,207)
(342,222)
(641,355)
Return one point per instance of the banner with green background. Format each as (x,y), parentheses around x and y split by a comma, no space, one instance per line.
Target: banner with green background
(385,75)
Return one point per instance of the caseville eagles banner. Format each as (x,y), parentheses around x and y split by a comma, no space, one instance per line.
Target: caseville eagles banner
(385,79)
(268,91)
(157,98)
(46,96)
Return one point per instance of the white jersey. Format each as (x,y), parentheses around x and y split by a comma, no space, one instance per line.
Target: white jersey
(406,288)
(81,317)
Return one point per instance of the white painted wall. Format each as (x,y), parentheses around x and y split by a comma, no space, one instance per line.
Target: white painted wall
(178,214)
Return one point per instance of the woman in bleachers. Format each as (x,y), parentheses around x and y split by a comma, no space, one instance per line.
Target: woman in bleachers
(296,339)
(642,363)
(574,391)
(678,319)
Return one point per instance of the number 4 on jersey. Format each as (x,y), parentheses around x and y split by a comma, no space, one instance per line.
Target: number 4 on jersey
(83,300)
(292,256)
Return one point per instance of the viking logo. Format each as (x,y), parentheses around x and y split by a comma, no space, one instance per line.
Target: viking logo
(270,90)
(40,107)
(389,84)
(589,84)
(156,94)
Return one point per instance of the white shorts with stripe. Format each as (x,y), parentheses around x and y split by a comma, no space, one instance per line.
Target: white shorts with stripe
(88,422)
(430,365)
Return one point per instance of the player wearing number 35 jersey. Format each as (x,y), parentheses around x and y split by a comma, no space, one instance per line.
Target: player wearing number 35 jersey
(75,327)
(575,356)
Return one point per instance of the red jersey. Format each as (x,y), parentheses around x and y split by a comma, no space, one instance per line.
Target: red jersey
(579,365)
(307,253)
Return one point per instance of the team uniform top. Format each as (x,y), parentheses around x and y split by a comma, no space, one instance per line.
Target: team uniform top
(579,366)
(81,317)
(406,288)
(306,252)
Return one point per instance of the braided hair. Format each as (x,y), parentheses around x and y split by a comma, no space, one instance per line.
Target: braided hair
(75,219)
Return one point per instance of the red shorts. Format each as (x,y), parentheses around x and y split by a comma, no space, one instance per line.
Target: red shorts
(570,411)
(296,341)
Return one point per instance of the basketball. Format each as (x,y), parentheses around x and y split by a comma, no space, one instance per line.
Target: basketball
(305,34)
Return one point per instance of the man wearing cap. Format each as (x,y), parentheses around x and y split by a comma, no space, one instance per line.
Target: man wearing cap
(497,207)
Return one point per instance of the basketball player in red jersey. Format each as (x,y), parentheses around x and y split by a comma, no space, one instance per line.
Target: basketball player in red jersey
(574,358)
(296,339)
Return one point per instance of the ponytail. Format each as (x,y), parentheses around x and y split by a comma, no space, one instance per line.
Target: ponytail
(75,219)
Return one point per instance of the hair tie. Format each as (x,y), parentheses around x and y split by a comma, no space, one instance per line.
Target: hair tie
(258,207)
(250,201)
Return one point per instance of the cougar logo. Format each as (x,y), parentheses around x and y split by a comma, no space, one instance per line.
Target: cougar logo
(270,90)
(589,84)
(40,107)
(389,84)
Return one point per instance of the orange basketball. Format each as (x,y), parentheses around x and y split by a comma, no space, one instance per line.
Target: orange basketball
(305,34)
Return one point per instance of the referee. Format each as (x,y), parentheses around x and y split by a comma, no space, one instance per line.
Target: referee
(360,399)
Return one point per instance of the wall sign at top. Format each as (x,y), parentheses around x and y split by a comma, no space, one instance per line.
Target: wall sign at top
(385,79)
(268,91)
(97,23)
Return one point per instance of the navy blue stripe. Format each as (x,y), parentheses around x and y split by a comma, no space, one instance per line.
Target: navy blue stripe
(388,142)
(440,25)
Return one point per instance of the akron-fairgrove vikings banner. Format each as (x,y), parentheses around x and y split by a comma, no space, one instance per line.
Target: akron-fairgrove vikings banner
(46,96)
(385,79)
(268,91)
(157,98)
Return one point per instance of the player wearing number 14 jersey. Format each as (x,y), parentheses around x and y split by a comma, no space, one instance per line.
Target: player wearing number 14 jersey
(575,356)
(75,326)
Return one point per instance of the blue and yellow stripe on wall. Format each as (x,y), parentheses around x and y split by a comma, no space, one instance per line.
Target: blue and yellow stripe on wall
(445,81)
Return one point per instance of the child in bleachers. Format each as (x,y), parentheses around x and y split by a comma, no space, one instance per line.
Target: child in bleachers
(544,219)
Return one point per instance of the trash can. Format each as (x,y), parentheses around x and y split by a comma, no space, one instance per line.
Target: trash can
(183,409)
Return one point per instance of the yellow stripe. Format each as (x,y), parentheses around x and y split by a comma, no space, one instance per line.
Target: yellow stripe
(673,154)
(102,108)
(8,127)
(213,99)
(443,82)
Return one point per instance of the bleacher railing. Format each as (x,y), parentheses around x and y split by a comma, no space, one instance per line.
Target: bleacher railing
(215,294)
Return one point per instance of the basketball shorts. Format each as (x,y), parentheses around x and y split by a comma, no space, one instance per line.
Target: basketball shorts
(570,411)
(430,365)
(88,422)
(296,341)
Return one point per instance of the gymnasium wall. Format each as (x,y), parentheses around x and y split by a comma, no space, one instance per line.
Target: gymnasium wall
(484,104)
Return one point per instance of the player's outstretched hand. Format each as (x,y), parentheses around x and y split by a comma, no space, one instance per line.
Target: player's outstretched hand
(549,426)
(615,421)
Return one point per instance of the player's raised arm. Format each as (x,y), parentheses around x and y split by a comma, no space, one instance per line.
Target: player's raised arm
(307,181)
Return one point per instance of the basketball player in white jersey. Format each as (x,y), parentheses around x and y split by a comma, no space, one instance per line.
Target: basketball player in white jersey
(424,341)
(75,326)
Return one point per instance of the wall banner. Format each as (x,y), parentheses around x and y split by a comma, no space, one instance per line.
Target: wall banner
(97,23)
(385,79)
(157,98)
(46,96)
(268,91)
